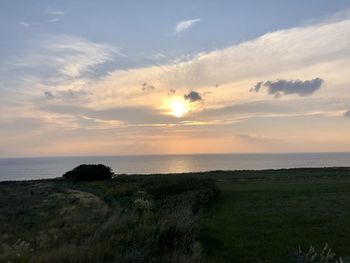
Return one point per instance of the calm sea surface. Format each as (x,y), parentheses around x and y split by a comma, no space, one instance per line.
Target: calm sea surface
(35,168)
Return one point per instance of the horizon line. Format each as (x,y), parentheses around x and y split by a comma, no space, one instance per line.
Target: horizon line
(172,154)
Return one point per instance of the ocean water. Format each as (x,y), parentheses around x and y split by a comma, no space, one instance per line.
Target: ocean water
(50,167)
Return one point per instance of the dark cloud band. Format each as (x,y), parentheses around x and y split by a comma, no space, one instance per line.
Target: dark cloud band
(285,87)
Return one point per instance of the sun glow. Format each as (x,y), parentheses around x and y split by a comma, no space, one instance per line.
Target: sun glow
(178,107)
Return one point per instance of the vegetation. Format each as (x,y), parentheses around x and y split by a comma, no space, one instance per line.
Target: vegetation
(264,216)
(326,255)
(259,216)
(89,172)
(126,219)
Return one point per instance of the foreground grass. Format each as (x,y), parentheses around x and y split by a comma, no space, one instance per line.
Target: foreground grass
(266,217)
(259,216)
(128,219)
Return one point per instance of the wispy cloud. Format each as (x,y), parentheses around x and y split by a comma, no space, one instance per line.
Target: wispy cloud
(295,56)
(301,53)
(185,25)
(70,56)
(74,55)
(54,20)
(24,24)
(156,56)
(56,15)
(53,12)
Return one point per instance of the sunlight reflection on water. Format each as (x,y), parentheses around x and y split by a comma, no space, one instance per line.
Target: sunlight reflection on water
(35,168)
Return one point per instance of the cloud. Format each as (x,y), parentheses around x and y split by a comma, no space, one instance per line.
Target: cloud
(185,25)
(171,92)
(257,87)
(193,96)
(77,55)
(156,56)
(347,114)
(147,87)
(299,54)
(65,94)
(24,24)
(48,94)
(296,56)
(52,12)
(66,56)
(130,115)
(269,108)
(285,87)
(55,14)
(54,20)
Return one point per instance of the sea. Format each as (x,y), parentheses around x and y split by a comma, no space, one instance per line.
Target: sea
(12,169)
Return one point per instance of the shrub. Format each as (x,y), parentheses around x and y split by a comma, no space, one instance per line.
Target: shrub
(89,172)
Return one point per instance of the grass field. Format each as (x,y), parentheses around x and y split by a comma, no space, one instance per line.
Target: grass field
(264,219)
(127,219)
(258,216)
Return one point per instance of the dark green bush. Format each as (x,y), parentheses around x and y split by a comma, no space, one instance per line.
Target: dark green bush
(89,172)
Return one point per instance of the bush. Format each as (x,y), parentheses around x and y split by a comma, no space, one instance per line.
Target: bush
(89,172)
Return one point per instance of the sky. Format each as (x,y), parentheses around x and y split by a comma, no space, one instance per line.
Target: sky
(173,77)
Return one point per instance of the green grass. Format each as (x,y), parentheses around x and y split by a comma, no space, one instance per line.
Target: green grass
(266,218)
(258,216)
(127,219)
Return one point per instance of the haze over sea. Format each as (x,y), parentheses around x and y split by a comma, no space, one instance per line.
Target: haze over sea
(50,167)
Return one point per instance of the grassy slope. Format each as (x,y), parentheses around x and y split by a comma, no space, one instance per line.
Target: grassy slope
(128,219)
(260,216)
(264,219)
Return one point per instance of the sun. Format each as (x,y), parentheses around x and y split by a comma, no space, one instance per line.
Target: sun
(178,107)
